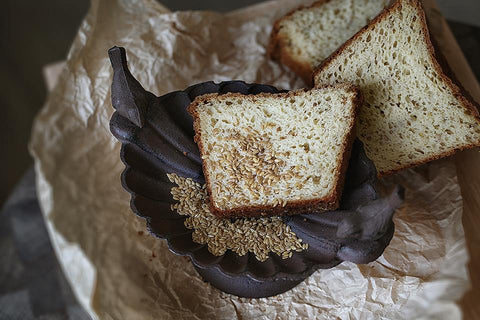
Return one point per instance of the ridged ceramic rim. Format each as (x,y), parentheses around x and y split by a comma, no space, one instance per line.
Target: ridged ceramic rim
(212,261)
(130,124)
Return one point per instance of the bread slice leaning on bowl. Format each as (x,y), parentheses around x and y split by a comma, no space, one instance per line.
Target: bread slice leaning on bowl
(413,112)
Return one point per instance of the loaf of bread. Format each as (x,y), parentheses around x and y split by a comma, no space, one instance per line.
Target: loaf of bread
(281,153)
(412,112)
(305,37)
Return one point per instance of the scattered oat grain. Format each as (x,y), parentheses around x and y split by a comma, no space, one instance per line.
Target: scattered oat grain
(257,235)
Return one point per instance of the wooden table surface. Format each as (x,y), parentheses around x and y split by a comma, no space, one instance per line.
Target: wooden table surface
(467,162)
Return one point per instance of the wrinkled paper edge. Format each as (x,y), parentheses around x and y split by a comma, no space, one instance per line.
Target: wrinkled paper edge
(81,267)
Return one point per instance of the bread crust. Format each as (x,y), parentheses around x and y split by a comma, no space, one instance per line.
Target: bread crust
(277,47)
(457,90)
(330,202)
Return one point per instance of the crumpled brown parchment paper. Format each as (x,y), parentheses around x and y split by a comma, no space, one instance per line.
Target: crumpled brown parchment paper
(118,271)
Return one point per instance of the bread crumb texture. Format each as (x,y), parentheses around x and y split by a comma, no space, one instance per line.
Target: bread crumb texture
(311,34)
(269,149)
(412,113)
(257,235)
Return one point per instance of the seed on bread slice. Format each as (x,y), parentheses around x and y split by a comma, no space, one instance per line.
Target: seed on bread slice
(271,153)
(305,37)
(412,112)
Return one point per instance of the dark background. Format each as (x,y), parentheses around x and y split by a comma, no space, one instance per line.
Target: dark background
(32,35)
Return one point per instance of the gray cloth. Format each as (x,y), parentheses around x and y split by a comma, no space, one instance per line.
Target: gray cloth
(32,285)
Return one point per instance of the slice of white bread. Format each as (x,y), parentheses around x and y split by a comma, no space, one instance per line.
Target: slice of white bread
(412,112)
(305,37)
(278,153)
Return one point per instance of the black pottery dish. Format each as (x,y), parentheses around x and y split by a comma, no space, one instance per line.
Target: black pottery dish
(157,138)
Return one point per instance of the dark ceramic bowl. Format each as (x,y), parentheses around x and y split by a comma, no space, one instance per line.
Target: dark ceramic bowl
(157,138)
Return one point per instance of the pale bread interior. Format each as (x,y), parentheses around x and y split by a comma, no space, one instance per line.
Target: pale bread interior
(269,149)
(314,33)
(410,115)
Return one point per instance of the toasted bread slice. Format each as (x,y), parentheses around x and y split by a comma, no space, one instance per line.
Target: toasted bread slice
(306,36)
(413,113)
(271,154)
